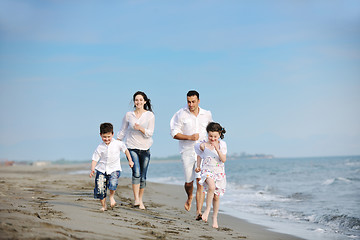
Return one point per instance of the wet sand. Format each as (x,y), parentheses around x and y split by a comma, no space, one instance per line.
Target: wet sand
(46,202)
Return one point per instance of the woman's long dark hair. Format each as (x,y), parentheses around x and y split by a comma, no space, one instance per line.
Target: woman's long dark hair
(147,105)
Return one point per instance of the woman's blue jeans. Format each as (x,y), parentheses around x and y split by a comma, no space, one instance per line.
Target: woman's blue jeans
(141,159)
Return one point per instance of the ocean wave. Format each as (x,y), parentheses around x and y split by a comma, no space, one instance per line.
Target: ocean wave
(300,196)
(352,164)
(331,181)
(339,222)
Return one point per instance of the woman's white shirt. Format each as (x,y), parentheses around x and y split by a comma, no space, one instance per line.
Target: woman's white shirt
(134,138)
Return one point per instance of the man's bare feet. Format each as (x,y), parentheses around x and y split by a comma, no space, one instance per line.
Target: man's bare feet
(103,209)
(188,203)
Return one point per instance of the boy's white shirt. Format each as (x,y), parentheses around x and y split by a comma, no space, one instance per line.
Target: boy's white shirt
(108,156)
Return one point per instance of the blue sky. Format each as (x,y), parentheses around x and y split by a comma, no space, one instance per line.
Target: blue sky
(283,77)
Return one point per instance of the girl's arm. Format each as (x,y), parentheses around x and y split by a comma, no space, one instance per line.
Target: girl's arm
(202,146)
(222,156)
(198,162)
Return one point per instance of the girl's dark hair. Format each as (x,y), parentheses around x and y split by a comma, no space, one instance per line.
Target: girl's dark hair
(147,105)
(216,127)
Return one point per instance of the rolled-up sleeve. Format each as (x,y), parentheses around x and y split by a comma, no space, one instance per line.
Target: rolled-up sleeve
(124,126)
(149,131)
(96,156)
(175,124)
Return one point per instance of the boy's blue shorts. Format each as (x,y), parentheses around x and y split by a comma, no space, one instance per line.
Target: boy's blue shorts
(104,182)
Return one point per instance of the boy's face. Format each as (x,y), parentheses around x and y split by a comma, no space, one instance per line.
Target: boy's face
(106,137)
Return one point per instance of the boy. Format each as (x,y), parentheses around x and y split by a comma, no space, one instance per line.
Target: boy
(106,162)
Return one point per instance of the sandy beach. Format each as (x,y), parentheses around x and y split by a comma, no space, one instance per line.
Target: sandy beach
(46,202)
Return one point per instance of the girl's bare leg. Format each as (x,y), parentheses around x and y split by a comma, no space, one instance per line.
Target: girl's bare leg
(209,198)
(103,204)
(112,199)
(216,203)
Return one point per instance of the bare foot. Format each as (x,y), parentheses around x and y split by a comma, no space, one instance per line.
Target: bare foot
(103,209)
(112,202)
(188,204)
(136,203)
(205,215)
(141,206)
(215,222)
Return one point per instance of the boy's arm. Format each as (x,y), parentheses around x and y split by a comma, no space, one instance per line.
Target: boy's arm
(93,164)
(128,156)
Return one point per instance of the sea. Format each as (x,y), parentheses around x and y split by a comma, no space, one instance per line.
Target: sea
(314,198)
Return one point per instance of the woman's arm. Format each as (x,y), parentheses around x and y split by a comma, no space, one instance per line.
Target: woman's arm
(122,132)
(149,130)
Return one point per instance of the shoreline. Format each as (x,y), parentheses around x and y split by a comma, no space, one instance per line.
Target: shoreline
(47,202)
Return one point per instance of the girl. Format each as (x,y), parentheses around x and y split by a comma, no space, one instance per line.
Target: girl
(213,178)
(138,128)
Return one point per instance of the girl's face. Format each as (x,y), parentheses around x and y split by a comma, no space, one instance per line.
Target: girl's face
(213,136)
(139,101)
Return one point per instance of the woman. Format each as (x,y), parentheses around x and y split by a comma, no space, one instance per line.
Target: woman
(137,128)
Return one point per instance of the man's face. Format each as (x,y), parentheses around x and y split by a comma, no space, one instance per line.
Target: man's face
(193,103)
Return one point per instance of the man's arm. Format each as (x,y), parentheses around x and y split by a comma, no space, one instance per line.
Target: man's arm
(181,136)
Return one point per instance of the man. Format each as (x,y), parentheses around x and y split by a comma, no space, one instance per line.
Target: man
(188,125)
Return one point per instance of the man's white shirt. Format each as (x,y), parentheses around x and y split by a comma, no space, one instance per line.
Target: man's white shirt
(186,123)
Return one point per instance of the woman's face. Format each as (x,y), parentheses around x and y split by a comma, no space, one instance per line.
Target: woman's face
(139,101)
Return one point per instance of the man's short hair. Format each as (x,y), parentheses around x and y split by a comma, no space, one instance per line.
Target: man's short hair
(106,128)
(193,93)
